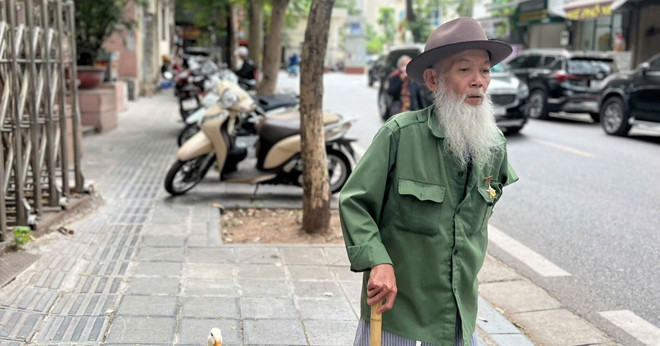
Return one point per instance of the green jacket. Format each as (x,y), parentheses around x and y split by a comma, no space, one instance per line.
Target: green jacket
(403,205)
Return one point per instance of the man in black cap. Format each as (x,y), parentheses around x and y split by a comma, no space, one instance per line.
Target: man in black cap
(415,211)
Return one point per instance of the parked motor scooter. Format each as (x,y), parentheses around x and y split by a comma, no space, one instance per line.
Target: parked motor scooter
(265,105)
(278,148)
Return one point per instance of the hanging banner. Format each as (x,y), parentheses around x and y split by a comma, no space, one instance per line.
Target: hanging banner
(584,10)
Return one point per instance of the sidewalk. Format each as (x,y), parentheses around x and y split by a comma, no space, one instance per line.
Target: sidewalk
(149,269)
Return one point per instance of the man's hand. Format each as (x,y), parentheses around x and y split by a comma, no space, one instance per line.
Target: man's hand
(382,285)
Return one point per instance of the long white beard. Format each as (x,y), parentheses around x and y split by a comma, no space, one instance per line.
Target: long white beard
(471,131)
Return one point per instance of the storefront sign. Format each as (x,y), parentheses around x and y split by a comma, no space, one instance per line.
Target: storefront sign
(589,12)
(534,12)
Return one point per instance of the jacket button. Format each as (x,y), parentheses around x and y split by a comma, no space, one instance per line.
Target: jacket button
(455,252)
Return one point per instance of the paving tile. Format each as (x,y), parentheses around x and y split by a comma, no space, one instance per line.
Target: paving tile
(494,270)
(528,297)
(217,287)
(321,289)
(352,289)
(98,284)
(84,304)
(19,325)
(148,306)
(257,255)
(149,330)
(260,271)
(275,288)
(345,274)
(67,329)
(337,256)
(194,331)
(303,255)
(153,286)
(511,340)
(210,307)
(315,273)
(163,254)
(158,269)
(492,321)
(210,255)
(153,240)
(331,332)
(559,327)
(175,229)
(273,332)
(326,309)
(211,271)
(264,308)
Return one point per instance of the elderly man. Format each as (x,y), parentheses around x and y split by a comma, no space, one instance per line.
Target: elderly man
(415,211)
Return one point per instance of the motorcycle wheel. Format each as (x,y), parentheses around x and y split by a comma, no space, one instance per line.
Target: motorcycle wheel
(189,131)
(184,175)
(339,168)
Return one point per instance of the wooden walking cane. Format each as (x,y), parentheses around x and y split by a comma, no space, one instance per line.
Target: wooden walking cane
(375,324)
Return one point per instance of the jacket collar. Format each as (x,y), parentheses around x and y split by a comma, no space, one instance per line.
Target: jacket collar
(432,121)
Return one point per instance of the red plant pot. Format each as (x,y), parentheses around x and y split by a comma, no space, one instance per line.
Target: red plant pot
(90,77)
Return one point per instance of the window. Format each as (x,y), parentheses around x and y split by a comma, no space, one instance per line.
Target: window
(655,65)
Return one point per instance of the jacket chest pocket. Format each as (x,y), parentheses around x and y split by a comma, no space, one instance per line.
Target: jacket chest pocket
(420,205)
(486,201)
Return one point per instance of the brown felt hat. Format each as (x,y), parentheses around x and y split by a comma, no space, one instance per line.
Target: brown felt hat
(454,37)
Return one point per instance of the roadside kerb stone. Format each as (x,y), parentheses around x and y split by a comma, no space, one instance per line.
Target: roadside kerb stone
(559,327)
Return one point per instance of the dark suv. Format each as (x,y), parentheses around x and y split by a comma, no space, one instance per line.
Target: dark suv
(560,80)
(631,98)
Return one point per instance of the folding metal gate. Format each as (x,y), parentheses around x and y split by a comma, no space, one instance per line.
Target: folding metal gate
(39,116)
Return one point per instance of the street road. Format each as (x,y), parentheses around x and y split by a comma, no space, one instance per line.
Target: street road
(582,222)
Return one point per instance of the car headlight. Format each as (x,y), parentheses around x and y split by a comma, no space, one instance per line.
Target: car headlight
(523,90)
(228,98)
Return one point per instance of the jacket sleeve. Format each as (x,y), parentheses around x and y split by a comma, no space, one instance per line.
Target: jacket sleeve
(361,202)
(394,87)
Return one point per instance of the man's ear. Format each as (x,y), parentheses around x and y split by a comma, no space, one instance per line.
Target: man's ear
(431,79)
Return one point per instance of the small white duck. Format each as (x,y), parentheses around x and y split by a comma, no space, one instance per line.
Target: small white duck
(215,338)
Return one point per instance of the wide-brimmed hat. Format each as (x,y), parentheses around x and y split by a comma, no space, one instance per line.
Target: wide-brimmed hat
(453,37)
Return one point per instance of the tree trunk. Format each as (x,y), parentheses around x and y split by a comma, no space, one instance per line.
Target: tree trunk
(273,48)
(256,17)
(316,189)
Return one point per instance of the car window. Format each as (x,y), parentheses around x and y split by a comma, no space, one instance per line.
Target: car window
(549,60)
(655,65)
(499,68)
(584,66)
(529,61)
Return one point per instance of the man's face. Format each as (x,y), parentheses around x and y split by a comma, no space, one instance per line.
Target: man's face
(465,73)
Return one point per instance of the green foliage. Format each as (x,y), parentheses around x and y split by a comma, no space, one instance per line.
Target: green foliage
(22,235)
(374,42)
(95,22)
(387,21)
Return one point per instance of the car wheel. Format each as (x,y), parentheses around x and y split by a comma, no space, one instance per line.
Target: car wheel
(537,107)
(615,120)
(382,106)
(595,117)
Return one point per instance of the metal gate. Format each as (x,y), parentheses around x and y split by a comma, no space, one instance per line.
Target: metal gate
(38,110)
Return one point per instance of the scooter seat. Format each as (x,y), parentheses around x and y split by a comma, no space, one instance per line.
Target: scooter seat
(273,130)
(270,102)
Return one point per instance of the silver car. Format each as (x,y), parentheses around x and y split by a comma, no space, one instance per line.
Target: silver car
(508,93)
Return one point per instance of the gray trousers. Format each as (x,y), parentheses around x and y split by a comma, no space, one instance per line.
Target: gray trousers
(389,339)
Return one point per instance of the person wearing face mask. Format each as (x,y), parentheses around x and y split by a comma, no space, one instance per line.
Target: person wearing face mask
(406,93)
(415,210)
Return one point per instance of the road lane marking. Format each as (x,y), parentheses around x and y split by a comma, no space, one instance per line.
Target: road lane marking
(565,148)
(530,258)
(634,325)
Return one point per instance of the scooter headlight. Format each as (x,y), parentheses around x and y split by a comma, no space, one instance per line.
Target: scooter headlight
(228,98)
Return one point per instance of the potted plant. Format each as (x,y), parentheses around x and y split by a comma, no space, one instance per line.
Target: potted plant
(95,21)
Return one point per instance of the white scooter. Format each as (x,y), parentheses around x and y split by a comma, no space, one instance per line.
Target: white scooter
(278,147)
(265,105)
